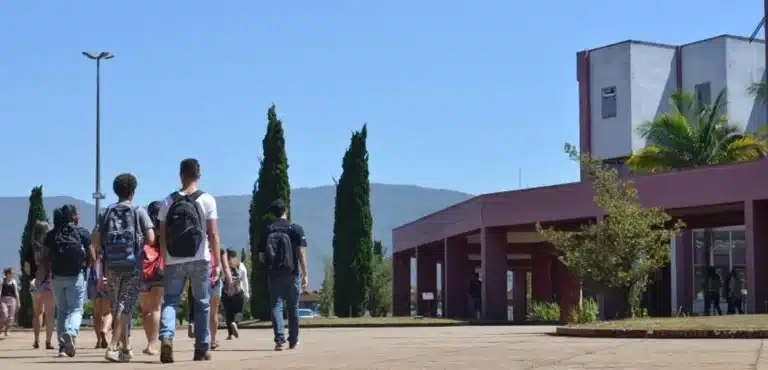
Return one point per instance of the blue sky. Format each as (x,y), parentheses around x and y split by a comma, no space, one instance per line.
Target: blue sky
(456,95)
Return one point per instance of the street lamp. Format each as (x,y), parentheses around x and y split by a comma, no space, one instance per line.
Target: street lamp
(98,195)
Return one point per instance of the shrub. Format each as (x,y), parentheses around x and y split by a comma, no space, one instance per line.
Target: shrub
(544,312)
(588,312)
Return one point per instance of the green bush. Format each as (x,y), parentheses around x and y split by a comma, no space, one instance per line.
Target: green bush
(544,311)
(588,312)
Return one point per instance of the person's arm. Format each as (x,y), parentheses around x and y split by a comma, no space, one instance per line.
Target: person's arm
(302,249)
(96,236)
(214,242)
(244,280)
(29,257)
(146,225)
(161,227)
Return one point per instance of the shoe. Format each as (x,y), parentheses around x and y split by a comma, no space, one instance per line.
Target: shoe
(61,353)
(125,355)
(166,351)
(191,330)
(201,355)
(229,337)
(104,341)
(278,347)
(35,344)
(112,355)
(48,345)
(214,346)
(69,344)
(235,331)
(293,345)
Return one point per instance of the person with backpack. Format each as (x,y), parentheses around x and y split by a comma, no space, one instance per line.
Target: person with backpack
(151,297)
(38,272)
(120,233)
(235,296)
(216,282)
(189,240)
(69,254)
(283,253)
(10,300)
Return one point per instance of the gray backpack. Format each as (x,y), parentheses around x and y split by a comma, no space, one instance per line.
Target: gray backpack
(121,236)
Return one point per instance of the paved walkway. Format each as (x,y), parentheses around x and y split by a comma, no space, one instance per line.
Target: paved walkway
(507,348)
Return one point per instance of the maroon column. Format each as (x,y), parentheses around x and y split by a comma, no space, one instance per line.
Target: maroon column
(426,282)
(570,291)
(756,230)
(493,252)
(401,284)
(684,266)
(519,296)
(455,278)
(542,277)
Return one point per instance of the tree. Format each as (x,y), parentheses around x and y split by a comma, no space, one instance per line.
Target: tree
(352,239)
(622,248)
(36,213)
(271,185)
(759,90)
(380,299)
(693,134)
(326,289)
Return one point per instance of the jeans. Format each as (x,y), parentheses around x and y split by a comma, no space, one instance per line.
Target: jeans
(69,295)
(197,272)
(285,288)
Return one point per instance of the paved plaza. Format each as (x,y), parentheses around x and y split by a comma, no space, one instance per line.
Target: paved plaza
(506,347)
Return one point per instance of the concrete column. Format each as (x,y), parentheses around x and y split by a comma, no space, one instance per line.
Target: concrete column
(570,291)
(542,277)
(519,296)
(426,282)
(401,284)
(684,272)
(456,278)
(756,227)
(493,252)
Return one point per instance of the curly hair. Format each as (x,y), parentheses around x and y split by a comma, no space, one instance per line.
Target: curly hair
(125,185)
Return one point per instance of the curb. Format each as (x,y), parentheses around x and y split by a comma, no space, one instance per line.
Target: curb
(661,334)
(304,325)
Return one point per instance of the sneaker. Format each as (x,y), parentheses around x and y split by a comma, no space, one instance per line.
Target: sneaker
(191,330)
(48,345)
(69,344)
(125,355)
(61,352)
(278,347)
(166,351)
(235,332)
(104,341)
(293,345)
(201,355)
(112,355)
(36,345)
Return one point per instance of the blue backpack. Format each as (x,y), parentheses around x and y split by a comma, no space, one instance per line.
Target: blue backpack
(121,236)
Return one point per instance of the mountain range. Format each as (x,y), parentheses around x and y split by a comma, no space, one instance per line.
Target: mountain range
(391,206)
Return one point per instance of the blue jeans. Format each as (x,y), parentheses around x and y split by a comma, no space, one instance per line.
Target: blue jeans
(285,288)
(175,276)
(69,295)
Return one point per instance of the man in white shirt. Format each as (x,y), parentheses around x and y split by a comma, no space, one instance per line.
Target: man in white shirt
(189,240)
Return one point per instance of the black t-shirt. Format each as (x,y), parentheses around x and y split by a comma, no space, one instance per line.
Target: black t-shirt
(298,239)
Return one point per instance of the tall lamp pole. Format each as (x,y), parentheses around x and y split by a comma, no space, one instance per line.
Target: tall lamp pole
(104,55)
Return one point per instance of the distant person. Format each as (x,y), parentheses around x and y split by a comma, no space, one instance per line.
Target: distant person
(151,297)
(189,240)
(69,253)
(713,286)
(38,272)
(235,296)
(216,280)
(283,253)
(120,233)
(10,301)
(736,293)
(476,296)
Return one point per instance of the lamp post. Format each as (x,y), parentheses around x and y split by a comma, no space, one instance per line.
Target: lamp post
(98,195)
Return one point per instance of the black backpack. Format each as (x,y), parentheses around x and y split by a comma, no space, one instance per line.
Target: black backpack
(278,250)
(68,256)
(184,225)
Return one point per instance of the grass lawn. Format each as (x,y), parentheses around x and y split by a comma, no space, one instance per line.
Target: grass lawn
(720,323)
(361,321)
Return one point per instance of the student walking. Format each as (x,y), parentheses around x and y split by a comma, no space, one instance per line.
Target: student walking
(283,252)
(38,272)
(234,298)
(102,312)
(69,253)
(151,297)
(121,231)
(189,240)
(9,300)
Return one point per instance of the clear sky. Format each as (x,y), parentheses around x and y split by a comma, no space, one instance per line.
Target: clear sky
(456,94)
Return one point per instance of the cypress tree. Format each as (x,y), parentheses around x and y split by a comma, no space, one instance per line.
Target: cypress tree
(36,213)
(352,238)
(271,185)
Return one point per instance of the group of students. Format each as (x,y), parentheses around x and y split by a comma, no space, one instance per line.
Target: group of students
(149,255)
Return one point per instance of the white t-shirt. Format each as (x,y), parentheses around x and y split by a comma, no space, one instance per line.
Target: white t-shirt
(208,205)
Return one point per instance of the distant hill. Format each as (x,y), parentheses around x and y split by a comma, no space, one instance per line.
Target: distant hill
(392,206)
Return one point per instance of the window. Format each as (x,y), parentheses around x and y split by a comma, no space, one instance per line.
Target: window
(608,105)
(703,93)
(724,251)
(619,164)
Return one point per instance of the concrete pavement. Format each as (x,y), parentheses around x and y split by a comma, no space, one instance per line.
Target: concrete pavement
(473,347)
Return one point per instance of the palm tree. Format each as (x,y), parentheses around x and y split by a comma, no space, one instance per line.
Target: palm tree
(759,90)
(693,134)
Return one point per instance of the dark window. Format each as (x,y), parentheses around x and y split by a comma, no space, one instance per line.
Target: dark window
(608,104)
(703,93)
